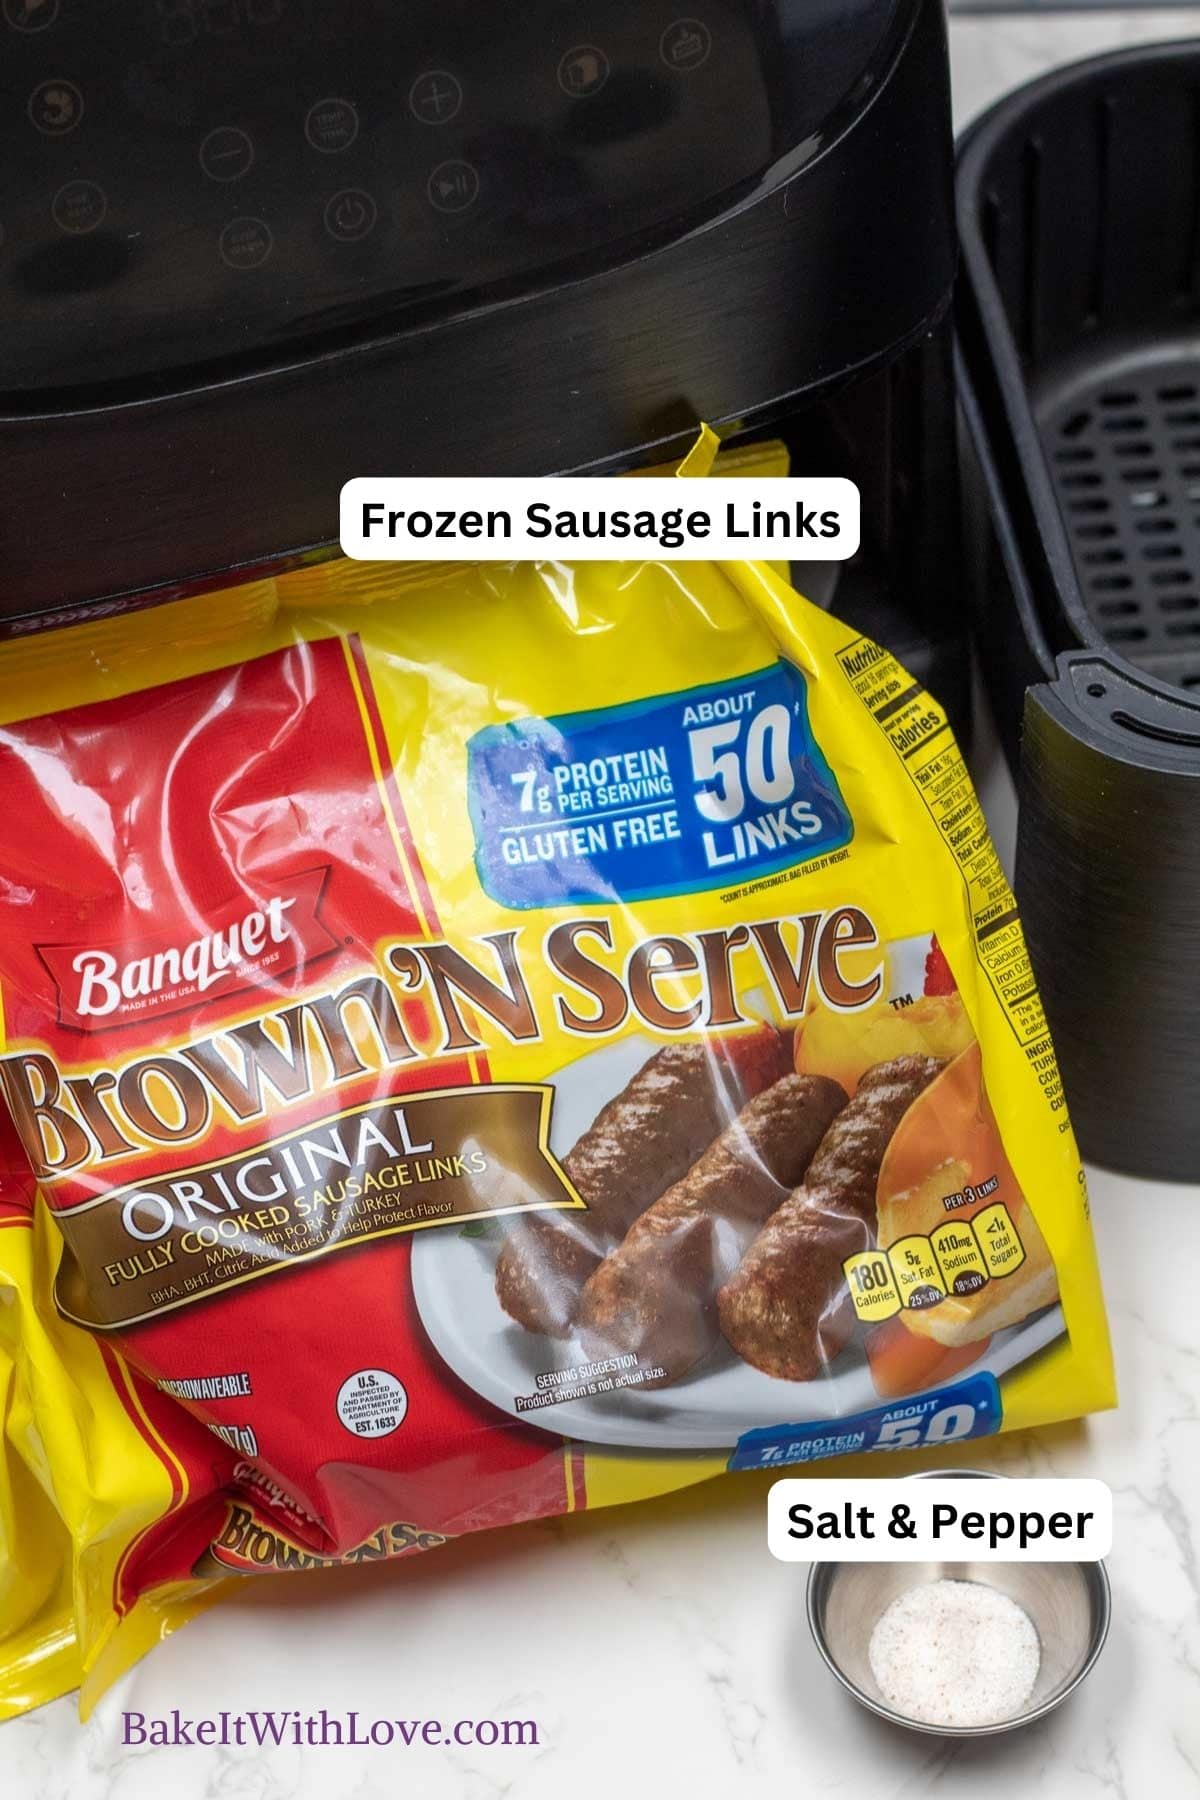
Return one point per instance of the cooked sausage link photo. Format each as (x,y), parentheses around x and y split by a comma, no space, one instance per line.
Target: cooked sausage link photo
(542,1267)
(640,1144)
(851,1154)
(787,1310)
(655,1294)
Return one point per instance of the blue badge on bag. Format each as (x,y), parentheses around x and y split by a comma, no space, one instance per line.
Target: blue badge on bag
(949,1415)
(711,787)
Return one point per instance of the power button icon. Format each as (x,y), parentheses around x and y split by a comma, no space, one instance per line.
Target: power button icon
(350,215)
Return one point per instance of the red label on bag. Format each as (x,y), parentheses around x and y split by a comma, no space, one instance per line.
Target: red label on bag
(246,945)
(212,1069)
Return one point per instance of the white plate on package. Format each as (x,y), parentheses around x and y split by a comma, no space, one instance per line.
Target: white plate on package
(710,1409)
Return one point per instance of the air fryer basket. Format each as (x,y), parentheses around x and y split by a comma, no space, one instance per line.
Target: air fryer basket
(1079,334)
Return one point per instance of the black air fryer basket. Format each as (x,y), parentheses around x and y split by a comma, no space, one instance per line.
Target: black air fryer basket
(1079,209)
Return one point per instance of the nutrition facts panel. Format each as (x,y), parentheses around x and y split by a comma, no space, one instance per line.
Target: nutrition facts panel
(918,1272)
(919,732)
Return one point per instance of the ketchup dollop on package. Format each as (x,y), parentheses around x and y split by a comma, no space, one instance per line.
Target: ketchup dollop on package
(481,1042)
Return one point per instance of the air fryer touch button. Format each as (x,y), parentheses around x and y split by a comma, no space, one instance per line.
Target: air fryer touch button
(79,207)
(226,154)
(435,97)
(245,243)
(685,45)
(55,107)
(30,15)
(331,125)
(453,186)
(350,215)
(583,71)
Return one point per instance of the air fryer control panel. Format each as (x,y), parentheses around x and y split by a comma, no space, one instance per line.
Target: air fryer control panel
(187,183)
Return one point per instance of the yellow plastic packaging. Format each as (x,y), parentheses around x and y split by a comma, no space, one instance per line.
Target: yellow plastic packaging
(486,1041)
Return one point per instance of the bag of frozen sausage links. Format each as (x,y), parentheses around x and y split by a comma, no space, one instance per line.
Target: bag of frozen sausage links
(481,1042)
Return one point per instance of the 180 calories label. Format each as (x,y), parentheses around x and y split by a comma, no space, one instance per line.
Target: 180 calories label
(917,1272)
(710,787)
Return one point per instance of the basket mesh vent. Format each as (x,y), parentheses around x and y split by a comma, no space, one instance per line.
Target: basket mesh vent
(1125,457)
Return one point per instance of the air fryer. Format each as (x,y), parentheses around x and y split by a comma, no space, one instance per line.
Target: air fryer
(253,247)
(1080,309)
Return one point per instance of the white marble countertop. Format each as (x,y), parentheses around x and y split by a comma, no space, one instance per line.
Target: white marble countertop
(659,1648)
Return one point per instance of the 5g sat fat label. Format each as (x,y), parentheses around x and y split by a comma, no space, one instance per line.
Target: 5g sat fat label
(705,788)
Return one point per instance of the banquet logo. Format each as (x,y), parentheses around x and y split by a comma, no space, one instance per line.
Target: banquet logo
(105,983)
(101,986)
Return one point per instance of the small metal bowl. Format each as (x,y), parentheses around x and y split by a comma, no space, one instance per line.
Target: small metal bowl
(1069,1603)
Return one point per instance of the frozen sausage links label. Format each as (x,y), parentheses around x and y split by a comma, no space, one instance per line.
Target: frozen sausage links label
(695,790)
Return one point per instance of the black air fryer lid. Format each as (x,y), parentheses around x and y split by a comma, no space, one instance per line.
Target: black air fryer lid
(231,281)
